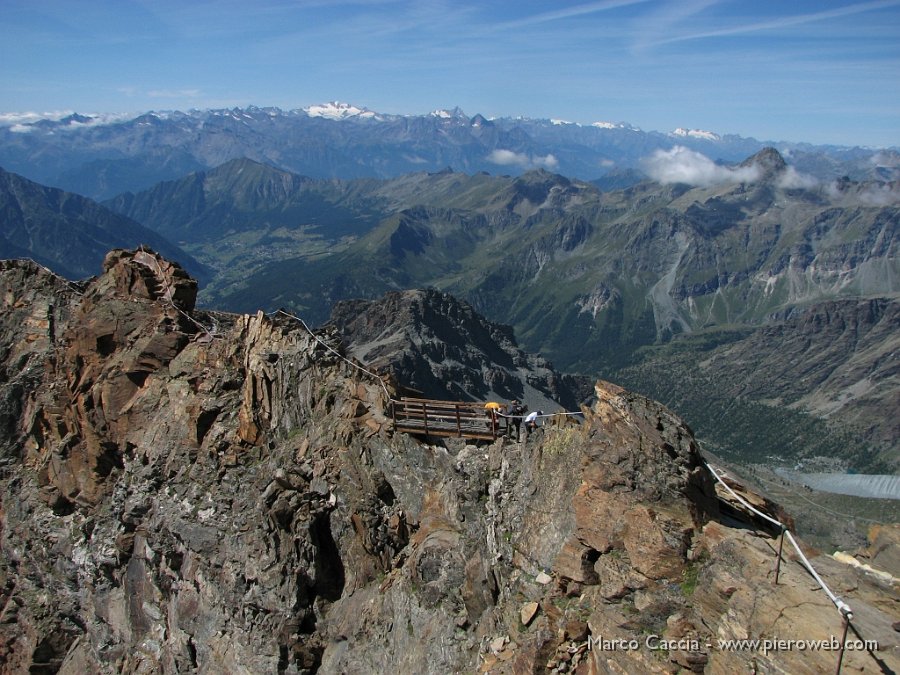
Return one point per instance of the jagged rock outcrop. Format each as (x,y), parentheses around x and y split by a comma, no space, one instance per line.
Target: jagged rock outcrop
(145,525)
(189,491)
(440,346)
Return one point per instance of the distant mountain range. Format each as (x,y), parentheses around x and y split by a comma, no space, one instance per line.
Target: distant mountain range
(656,259)
(102,156)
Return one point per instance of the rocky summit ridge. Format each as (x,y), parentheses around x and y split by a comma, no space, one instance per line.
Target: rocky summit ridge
(441,347)
(190,491)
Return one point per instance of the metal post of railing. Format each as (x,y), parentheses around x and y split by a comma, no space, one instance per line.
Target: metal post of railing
(841,606)
(843,643)
(425,417)
(780,547)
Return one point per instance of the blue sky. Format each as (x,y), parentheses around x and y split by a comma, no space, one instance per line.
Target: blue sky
(823,72)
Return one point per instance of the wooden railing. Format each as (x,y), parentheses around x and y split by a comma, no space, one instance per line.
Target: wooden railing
(427,417)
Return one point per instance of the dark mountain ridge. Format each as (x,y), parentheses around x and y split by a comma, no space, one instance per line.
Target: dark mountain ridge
(837,358)
(236,196)
(70,233)
(440,346)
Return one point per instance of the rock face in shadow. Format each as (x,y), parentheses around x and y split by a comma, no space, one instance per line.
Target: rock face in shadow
(440,346)
(192,491)
(67,232)
(834,359)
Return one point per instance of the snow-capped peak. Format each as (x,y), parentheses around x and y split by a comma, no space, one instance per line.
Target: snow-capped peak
(335,110)
(610,125)
(697,133)
(444,114)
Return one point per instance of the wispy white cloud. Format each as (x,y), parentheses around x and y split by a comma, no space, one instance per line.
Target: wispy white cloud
(20,122)
(872,194)
(522,160)
(792,179)
(658,26)
(882,195)
(886,159)
(569,12)
(682,165)
(174,93)
(659,37)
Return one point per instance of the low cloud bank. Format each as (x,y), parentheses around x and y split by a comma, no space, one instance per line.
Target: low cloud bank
(523,160)
(682,165)
(879,195)
(791,179)
(21,122)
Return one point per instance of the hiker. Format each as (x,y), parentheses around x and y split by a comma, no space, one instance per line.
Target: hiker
(516,411)
(493,409)
(531,421)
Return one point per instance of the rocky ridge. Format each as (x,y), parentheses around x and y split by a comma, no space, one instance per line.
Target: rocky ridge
(440,346)
(189,491)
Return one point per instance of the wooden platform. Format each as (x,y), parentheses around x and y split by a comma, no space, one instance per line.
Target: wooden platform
(459,419)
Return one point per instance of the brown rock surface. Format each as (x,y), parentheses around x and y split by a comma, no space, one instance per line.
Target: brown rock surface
(189,491)
(883,551)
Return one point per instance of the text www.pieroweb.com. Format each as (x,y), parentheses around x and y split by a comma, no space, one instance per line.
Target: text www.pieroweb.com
(763,645)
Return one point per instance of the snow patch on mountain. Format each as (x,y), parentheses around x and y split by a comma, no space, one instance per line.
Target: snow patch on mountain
(614,125)
(444,114)
(335,110)
(696,133)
